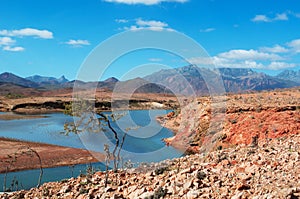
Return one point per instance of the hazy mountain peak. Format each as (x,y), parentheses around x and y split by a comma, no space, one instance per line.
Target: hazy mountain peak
(237,72)
(44,79)
(62,79)
(12,78)
(111,80)
(290,75)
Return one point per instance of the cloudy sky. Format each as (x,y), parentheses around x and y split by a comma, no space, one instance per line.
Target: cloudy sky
(54,37)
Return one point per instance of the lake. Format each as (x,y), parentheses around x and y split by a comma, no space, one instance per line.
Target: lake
(142,144)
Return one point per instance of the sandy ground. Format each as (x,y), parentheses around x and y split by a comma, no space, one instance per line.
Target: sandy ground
(19,155)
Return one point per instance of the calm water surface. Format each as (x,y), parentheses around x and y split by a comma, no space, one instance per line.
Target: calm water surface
(142,144)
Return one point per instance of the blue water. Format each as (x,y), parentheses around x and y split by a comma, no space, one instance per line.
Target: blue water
(143,142)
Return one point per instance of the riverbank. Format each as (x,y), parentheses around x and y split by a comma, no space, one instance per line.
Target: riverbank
(19,117)
(16,155)
(103,102)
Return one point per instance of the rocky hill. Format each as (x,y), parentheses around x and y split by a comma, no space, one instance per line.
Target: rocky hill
(290,75)
(234,119)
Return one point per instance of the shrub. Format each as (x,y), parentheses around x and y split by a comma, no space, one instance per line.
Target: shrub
(201,175)
(161,170)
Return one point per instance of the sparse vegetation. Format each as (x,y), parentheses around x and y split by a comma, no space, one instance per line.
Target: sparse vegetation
(161,170)
(201,175)
(12,159)
(14,96)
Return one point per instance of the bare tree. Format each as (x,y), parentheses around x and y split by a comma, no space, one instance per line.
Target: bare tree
(90,120)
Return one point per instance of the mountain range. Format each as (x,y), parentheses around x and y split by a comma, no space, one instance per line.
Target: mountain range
(290,75)
(182,80)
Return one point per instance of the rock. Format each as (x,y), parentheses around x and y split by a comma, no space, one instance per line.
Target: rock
(192,194)
(109,189)
(185,171)
(243,186)
(188,184)
(146,195)
(65,189)
(238,195)
(251,169)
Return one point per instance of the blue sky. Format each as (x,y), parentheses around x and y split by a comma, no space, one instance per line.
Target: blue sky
(54,37)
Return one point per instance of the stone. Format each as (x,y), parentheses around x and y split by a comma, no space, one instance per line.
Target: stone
(65,189)
(238,195)
(146,195)
(192,194)
(243,186)
(188,184)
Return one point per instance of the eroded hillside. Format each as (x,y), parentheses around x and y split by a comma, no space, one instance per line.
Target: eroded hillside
(235,119)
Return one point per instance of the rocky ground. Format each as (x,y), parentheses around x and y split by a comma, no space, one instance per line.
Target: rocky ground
(234,119)
(266,170)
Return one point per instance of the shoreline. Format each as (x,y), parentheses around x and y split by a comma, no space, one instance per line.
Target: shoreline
(51,155)
(16,157)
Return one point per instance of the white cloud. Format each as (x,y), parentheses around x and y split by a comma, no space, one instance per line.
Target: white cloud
(77,43)
(207,30)
(149,25)
(229,63)
(133,28)
(44,34)
(275,49)
(261,18)
(295,45)
(265,18)
(280,65)
(121,21)
(13,49)
(145,2)
(281,17)
(224,63)
(249,55)
(6,41)
(267,58)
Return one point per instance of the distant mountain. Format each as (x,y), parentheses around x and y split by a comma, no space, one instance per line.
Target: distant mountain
(108,83)
(290,75)
(111,80)
(185,80)
(42,79)
(48,82)
(14,79)
(236,80)
(189,79)
(139,85)
(236,72)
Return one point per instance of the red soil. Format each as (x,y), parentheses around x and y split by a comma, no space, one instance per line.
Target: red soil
(15,155)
